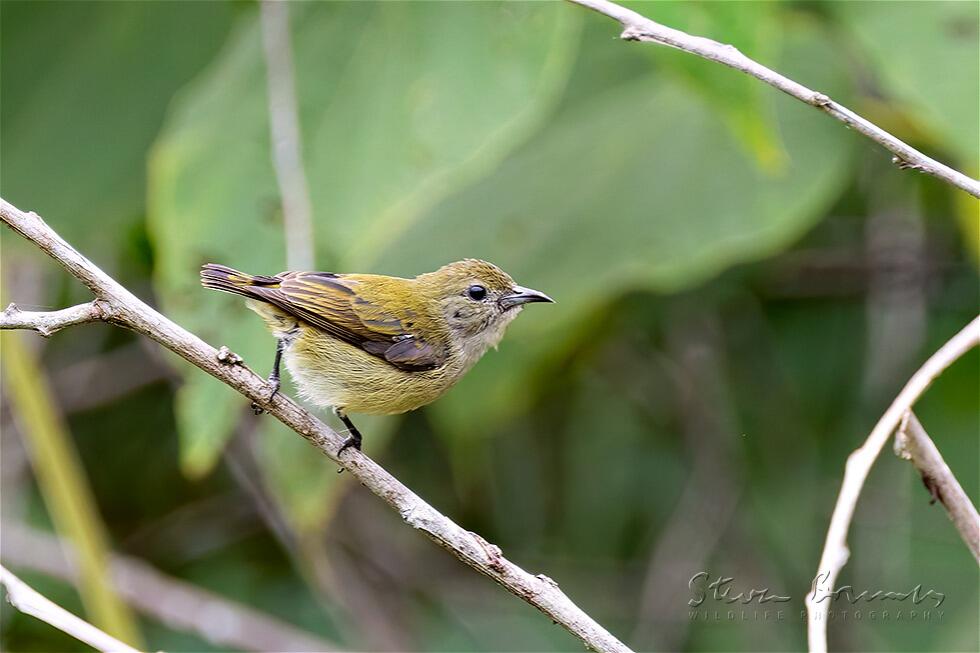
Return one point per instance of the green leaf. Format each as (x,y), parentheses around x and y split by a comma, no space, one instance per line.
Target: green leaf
(640,186)
(927,57)
(400,105)
(85,88)
(753,28)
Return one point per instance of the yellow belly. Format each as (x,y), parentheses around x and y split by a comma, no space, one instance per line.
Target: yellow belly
(329,372)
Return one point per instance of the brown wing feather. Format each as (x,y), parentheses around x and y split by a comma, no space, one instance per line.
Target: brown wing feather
(331,302)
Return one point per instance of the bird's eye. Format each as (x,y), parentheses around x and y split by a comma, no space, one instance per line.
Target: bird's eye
(476,293)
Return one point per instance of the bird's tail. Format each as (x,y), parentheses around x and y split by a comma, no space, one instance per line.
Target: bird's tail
(221,277)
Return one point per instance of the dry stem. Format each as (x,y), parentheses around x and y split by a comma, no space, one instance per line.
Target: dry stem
(26,599)
(835,551)
(912,443)
(637,27)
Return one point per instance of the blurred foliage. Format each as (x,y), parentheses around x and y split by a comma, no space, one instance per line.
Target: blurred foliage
(745,104)
(86,86)
(938,83)
(63,484)
(714,247)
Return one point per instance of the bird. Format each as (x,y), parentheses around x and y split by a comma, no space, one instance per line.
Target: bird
(376,344)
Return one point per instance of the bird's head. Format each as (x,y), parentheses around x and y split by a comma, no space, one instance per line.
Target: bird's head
(477,300)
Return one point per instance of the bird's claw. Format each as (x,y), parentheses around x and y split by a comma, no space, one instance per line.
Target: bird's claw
(275,383)
(352,441)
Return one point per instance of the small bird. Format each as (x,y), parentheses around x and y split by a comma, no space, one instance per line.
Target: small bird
(367,343)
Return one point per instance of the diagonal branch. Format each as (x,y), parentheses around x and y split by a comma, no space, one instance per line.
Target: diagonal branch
(913,444)
(123,308)
(835,551)
(49,322)
(637,27)
(26,599)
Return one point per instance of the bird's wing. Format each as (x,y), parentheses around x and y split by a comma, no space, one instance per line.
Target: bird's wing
(332,303)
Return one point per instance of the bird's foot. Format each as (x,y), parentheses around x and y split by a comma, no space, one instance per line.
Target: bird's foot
(353,437)
(275,383)
(352,441)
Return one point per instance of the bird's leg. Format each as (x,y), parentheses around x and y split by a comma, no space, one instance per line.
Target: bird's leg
(273,375)
(354,439)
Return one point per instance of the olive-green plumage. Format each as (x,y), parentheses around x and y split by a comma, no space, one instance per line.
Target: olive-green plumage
(366,343)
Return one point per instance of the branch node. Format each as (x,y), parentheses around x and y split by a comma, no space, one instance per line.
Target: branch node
(547,579)
(494,555)
(632,33)
(820,100)
(907,165)
(901,445)
(105,310)
(731,49)
(933,487)
(228,357)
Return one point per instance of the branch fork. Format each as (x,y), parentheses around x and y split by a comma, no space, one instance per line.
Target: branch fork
(49,322)
(835,552)
(913,444)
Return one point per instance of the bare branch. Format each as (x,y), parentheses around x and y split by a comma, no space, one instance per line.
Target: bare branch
(23,597)
(913,444)
(49,322)
(174,602)
(835,551)
(637,27)
(123,308)
(297,211)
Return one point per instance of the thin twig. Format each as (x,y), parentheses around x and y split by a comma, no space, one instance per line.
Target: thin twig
(284,132)
(835,551)
(123,308)
(637,27)
(912,443)
(49,322)
(26,599)
(176,603)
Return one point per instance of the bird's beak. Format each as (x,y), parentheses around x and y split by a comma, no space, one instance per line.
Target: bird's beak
(520,296)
